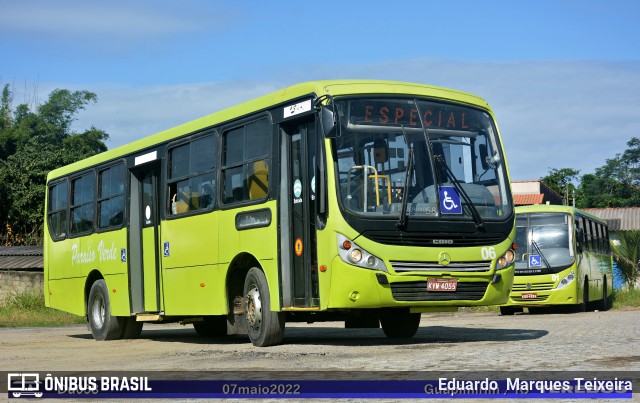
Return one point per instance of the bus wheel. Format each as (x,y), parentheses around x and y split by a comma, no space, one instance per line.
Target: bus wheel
(584,307)
(103,325)
(399,323)
(212,326)
(131,328)
(604,304)
(507,310)
(264,327)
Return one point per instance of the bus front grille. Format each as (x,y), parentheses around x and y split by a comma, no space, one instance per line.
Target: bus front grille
(537,299)
(417,291)
(480,266)
(431,239)
(533,287)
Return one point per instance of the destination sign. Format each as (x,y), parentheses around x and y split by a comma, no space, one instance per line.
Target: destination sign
(393,113)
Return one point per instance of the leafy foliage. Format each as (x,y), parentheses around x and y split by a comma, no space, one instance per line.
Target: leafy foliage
(32,144)
(617,183)
(561,180)
(626,252)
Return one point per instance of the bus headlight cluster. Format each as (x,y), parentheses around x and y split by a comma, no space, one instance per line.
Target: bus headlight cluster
(506,260)
(353,254)
(566,280)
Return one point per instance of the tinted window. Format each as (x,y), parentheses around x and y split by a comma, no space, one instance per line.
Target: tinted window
(192,179)
(111,196)
(58,210)
(246,156)
(82,193)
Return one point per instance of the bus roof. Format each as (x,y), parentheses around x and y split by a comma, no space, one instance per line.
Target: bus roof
(554,208)
(326,87)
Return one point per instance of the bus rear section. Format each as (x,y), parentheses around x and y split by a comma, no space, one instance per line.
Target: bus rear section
(563,260)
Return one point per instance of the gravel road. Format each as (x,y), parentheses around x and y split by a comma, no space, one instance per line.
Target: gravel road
(467,341)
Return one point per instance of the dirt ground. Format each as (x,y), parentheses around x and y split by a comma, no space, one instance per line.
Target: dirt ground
(464,341)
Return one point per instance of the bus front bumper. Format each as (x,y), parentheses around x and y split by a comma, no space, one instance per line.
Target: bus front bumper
(354,287)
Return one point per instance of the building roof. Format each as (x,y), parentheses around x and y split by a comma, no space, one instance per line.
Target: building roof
(21,258)
(618,218)
(526,199)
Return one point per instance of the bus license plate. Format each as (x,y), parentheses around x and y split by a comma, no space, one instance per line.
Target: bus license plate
(529,296)
(442,284)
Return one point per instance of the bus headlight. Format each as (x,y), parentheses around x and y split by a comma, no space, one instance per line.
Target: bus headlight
(351,253)
(506,260)
(568,279)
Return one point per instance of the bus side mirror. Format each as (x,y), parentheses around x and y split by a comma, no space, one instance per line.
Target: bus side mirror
(329,122)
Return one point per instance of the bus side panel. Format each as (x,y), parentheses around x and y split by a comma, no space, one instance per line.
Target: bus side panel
(69,263)
(261,243)
(192,281)
(67,295)
(194,291)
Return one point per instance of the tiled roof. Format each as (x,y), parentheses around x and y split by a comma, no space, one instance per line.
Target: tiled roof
(619,218)
(527,199)
(21,257)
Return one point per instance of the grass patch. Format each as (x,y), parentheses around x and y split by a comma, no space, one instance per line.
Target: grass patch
(27,310)
(626,298)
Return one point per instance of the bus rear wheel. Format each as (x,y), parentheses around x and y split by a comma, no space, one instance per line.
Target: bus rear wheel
(131,328)
(399,323)
(212,326)
(103,325)
(264,327)
(603,304)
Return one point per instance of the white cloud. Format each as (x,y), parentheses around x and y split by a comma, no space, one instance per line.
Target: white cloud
(551,114)
(116,20)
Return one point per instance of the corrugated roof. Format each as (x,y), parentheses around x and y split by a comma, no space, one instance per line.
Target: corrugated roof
(527,199)
(21,258)
(33,250)
(618,218)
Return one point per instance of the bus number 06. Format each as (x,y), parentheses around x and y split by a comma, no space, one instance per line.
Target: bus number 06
(488,253)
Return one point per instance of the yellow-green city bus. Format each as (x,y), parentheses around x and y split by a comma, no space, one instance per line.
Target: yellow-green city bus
(367,202)
(563,258)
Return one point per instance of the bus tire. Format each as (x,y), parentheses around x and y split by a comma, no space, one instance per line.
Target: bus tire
(104,326)
(584,306)
(131,328)
(211,326)
(264,327)
(603,305)
(507,310)
(399,323)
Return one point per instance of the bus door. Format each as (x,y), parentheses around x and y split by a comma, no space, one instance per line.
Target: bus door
(144,266)
(298,216)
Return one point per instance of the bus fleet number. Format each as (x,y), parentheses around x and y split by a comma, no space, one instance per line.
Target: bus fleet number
(488,253)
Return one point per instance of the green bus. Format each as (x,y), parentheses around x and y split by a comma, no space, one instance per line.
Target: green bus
(563,258)
(367,202)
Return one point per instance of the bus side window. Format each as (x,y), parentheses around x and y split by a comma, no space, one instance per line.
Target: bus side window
(58,210)
(259,180)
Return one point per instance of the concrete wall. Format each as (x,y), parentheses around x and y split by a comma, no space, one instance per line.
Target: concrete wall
(14,282)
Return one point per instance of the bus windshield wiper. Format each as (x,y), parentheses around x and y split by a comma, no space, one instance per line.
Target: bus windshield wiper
(442,164)
(402,220)
(535,245)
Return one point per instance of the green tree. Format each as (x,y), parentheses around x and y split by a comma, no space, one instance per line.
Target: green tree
(561,180)
(617,183)
(31,145)
(626,252)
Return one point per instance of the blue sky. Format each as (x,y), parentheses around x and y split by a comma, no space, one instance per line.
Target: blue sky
(563,76)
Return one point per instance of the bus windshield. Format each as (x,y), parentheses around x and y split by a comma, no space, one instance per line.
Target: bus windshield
(544,243)
(423,159)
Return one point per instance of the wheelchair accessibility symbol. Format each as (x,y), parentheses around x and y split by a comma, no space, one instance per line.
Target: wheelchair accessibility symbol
(534,261)
(449,200)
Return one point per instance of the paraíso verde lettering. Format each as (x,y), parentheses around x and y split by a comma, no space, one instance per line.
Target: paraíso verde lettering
(88,255)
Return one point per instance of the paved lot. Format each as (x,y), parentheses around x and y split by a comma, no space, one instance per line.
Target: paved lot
(466,341)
